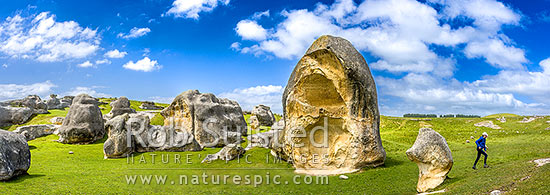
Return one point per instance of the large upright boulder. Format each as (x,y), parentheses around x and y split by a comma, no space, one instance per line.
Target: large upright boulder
(264,115)
(331,111)
(212,121)
(83,123)
(15,155)
(129,133)
(14,115)
(119,107)
(433,157)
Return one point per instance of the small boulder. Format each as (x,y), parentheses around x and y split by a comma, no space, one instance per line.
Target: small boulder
(488,124)
(32,132)
(57,120)
(264,114)
(83,123)
(227,153)
(146,105)
(467,141)
(254,123)
(343,177)
(433,157)
(119,107)
(15,155)
(496,192)
(263,140)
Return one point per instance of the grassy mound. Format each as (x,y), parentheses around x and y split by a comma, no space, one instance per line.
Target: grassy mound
(507,115)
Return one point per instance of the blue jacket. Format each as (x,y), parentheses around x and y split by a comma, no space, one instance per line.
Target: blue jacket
(481,143)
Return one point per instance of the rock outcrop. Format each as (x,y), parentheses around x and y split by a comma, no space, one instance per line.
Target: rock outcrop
(227,153)
(150,106)
(433,157)
(15,155)
(33,102)
(266,139)
(264,115)
(501,119)
(143,137)
(119,107)
(488,124)
(83,123)
(54,103)
(212,121)
(32,132)
(331,112)
(57,120)
(14,115)
(254,123)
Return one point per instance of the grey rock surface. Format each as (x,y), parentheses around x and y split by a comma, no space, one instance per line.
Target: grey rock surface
(83,123)
(32,132)
(264,115)
(15,155)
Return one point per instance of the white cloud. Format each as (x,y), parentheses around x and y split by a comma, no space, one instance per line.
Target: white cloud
(115,54)
(145,65)
(85,64)
(103,61)
(259,15)
(192,8)
(86,90)
(42,38)
(134,33)
(497,53)
(4,65)
(270,95)
(17,91)
(158,99)
(250,30)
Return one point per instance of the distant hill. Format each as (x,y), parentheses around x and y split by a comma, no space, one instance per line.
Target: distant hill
(501,115)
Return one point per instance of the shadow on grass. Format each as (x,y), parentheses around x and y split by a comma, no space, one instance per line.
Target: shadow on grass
(390,162)
(23,177)
(31,147)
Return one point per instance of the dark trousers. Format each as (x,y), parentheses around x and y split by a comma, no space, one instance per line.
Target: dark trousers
(479,153)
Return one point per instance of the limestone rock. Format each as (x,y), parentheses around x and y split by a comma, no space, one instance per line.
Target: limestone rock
(57,120)
(33,102)
(528,120)
(15,155)
(150,106)
(332,89)
(541,162)
(212,121)
(488,124)
(263,140)
(14,115)
(227,153)
(143,137)
(254,123)
(496,192)
(119,107)
(264,114)
(32,132)
(83,123)
(344,177)
(67,100)
(501,119)
(433,157)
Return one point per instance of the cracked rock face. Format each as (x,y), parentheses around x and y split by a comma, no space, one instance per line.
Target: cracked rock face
(83,123)
(214,122)
(331,88)
(433,157)
(15,156)
(14,115)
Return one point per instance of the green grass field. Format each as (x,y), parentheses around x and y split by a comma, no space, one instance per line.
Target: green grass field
(54,171)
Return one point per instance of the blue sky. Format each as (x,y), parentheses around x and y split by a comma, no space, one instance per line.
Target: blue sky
(434,56)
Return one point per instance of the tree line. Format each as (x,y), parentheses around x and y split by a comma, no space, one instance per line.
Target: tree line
(411,115)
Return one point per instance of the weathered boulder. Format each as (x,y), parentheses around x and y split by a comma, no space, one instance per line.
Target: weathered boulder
(331,112)
(254,123)
(227,153)
(119,107)
(433,157)
(55,103)
(130,133)
(57,120)
(32,132)
(263,140)
(488,124)
(14,115)
(15,155)
(264,114)
(67,100)
(501,119)
(33,102)
(212,121)
(83,123)
(146,105)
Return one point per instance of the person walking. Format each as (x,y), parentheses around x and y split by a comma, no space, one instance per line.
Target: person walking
(482,149)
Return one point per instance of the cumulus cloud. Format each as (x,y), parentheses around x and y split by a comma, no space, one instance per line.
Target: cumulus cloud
(85,64)
(145,65)
(250,30)
(103,61)
(134,33)
(17,91)
(86,90)
(192,8)
(269,95)
(115,54)
(42,38)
